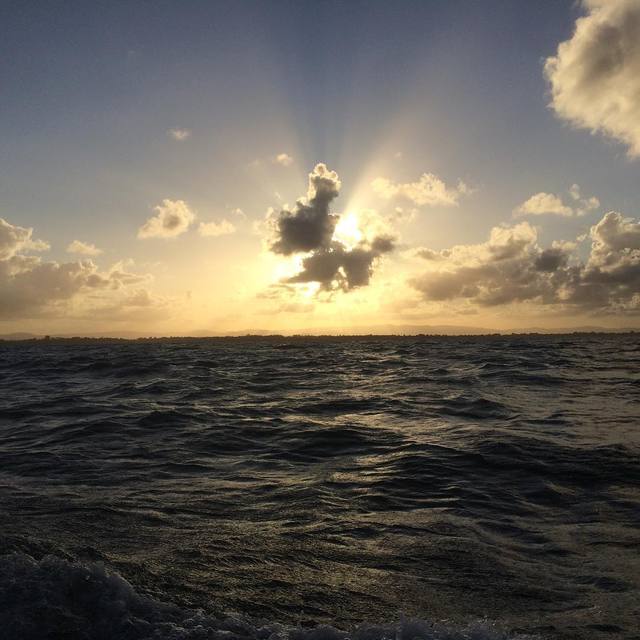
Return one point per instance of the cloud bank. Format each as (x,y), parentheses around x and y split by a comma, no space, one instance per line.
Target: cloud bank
(595,75)
(31,287)
(309,229)
(512,267)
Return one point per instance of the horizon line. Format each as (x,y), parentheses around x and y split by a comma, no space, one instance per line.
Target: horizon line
(271,336)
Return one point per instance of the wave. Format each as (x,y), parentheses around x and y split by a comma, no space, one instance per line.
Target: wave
(325,482)
(56,598)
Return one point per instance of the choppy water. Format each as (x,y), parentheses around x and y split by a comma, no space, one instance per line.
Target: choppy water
(321,482)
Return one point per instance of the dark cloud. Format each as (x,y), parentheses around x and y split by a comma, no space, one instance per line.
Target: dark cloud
(340,268)
(550,260)
(310,227)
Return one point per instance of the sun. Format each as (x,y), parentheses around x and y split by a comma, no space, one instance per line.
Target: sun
(286,268)
(347,230)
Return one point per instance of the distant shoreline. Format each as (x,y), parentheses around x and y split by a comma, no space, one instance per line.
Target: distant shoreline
(305,337)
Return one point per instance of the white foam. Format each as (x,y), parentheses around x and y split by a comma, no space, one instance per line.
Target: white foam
(72,600)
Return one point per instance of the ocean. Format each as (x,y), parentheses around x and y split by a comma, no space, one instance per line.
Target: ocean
(319,489)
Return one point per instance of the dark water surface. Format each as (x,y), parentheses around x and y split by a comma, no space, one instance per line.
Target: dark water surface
(310,482)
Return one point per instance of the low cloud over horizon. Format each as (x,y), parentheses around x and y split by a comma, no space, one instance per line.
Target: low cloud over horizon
(31,287)
(512,267)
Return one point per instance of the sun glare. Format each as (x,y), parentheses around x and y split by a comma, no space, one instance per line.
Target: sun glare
(348,231)
(287,268)
(309,289)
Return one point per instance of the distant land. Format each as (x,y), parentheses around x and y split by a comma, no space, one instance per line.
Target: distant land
(377,330)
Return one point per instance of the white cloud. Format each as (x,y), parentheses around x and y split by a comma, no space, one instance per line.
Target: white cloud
(614,238)
(14,239)
(542,203)
(173,218)
(213,229)
(83,248)
(283,159)
(428,190)
(548,203)
(180,135)
(595,75)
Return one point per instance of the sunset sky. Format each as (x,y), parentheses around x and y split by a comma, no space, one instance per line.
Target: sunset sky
(461,163)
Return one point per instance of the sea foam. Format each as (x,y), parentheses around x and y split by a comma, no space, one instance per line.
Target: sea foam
(55,598)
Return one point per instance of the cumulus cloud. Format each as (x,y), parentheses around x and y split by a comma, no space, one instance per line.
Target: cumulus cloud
(213,229)
(173,218)
(512,267)
(31,287)
(428,190)
(595,75)
(548,203)
(613,236)
(542,203)
(310,228)
(340,268)
(509,267)
(14,239)
(283,159)
(180,135)
(83,248)
(610,279)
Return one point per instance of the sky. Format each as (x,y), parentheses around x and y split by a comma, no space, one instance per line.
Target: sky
(197,167)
